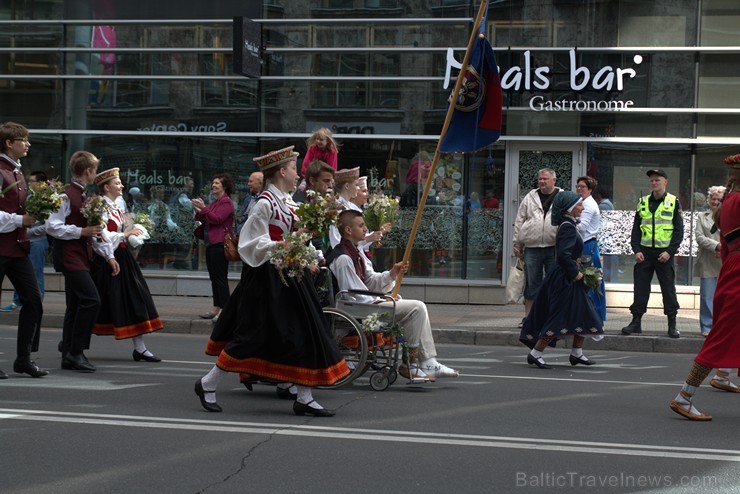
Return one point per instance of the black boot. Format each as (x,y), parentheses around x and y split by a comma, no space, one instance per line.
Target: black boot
(635,327)
(672,331)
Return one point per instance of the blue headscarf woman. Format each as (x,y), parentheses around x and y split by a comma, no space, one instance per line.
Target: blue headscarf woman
(562,307)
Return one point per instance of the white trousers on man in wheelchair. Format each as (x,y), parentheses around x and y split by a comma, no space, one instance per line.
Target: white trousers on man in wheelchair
(413,317)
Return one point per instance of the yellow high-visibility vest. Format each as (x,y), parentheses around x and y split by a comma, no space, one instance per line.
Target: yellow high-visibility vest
(657,227)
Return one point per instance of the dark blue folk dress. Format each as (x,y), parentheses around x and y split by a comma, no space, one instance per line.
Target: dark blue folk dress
(562,306)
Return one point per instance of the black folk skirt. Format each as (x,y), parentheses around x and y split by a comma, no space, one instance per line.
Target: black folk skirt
(126,305)
(276,332)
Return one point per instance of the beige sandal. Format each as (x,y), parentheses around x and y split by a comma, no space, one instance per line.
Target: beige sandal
(679,409)
(722,381)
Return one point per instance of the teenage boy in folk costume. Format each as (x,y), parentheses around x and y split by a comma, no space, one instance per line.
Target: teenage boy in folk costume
(73,256)
(14,246)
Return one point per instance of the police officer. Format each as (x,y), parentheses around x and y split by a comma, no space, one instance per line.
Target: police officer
(656,236)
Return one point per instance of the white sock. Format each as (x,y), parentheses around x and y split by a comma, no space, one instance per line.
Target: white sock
(578,353)
(690,390)
(139,345)
(210,381)
(292,389)
(536,353)
(724,379)
(305,397)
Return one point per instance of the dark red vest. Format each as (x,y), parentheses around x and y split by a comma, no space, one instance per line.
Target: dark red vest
(71,256)
(13,244)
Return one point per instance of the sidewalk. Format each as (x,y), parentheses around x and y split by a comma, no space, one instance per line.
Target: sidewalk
(462,324)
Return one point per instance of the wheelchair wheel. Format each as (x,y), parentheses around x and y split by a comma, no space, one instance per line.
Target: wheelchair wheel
(392,375)
(351,342)
(379,380)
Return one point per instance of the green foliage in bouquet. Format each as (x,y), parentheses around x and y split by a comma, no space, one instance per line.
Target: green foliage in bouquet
(318,213)
(592,277)
(293,256)
(379,210)
(44,199)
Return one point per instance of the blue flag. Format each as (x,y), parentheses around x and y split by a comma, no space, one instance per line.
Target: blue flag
(476,119)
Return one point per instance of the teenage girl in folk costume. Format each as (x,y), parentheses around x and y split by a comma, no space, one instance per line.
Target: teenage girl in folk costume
(269,330)
(721,349)
(127,309)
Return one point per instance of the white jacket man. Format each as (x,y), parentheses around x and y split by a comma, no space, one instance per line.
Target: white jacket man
(534,235)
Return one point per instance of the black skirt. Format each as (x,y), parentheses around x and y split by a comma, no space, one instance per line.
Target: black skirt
(561,308)
(126,305)
(276,332)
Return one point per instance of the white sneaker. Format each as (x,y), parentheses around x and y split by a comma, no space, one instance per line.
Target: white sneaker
(433,368)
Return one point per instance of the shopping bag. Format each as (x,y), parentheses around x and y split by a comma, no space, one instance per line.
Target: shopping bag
(515,282)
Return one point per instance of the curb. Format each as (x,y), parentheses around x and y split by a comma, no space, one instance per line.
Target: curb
(461,336)
(611,342)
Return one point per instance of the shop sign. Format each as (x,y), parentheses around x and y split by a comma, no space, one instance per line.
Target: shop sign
(527,78)
(184,127)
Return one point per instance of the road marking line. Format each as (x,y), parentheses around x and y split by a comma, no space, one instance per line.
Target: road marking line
(443,439)
(605,381)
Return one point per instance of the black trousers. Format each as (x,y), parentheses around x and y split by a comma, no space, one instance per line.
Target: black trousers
(643,276)
(83,304)
(19,271)
(218,271)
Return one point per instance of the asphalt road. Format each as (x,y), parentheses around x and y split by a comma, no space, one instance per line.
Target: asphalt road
(503,426)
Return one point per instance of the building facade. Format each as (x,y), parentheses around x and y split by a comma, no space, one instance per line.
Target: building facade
(607,88)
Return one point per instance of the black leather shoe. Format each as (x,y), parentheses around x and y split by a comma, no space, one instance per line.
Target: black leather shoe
(140,356)
(211,407)
(542,365)
(673,333)
(301,409)
(77,362)
(580,360)
(285,394)
(27,366)
(3,375)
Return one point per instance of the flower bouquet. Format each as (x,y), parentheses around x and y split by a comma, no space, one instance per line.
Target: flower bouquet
(144,220)
(293,256)
(140,221)
(93,210)
(374,322)
(318,213)
(379,210)
(44,199)
(592,277)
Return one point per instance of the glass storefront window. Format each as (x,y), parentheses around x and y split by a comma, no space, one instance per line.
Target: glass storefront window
(719,81)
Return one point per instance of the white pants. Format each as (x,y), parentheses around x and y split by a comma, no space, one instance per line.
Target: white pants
(413,317)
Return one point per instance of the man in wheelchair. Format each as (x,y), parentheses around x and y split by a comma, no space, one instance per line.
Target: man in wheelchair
(354,271)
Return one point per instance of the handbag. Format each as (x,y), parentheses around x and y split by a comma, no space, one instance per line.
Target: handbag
(231,247)
(515,282)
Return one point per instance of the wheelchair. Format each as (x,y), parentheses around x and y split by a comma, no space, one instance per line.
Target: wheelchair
(379,350)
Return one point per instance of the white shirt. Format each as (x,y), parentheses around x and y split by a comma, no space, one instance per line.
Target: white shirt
(344,270)
(57,228)
(255,244)
(590,222)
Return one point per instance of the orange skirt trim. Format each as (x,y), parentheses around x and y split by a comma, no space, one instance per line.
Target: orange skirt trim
(124,332)
(214,348)
(283,372)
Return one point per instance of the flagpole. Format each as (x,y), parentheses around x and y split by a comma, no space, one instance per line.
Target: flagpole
(448,118)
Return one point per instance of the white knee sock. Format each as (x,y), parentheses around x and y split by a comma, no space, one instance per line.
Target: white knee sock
(536,353)
(210,381)
(306,397)
(139,345)
(578,353)
(289,386)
